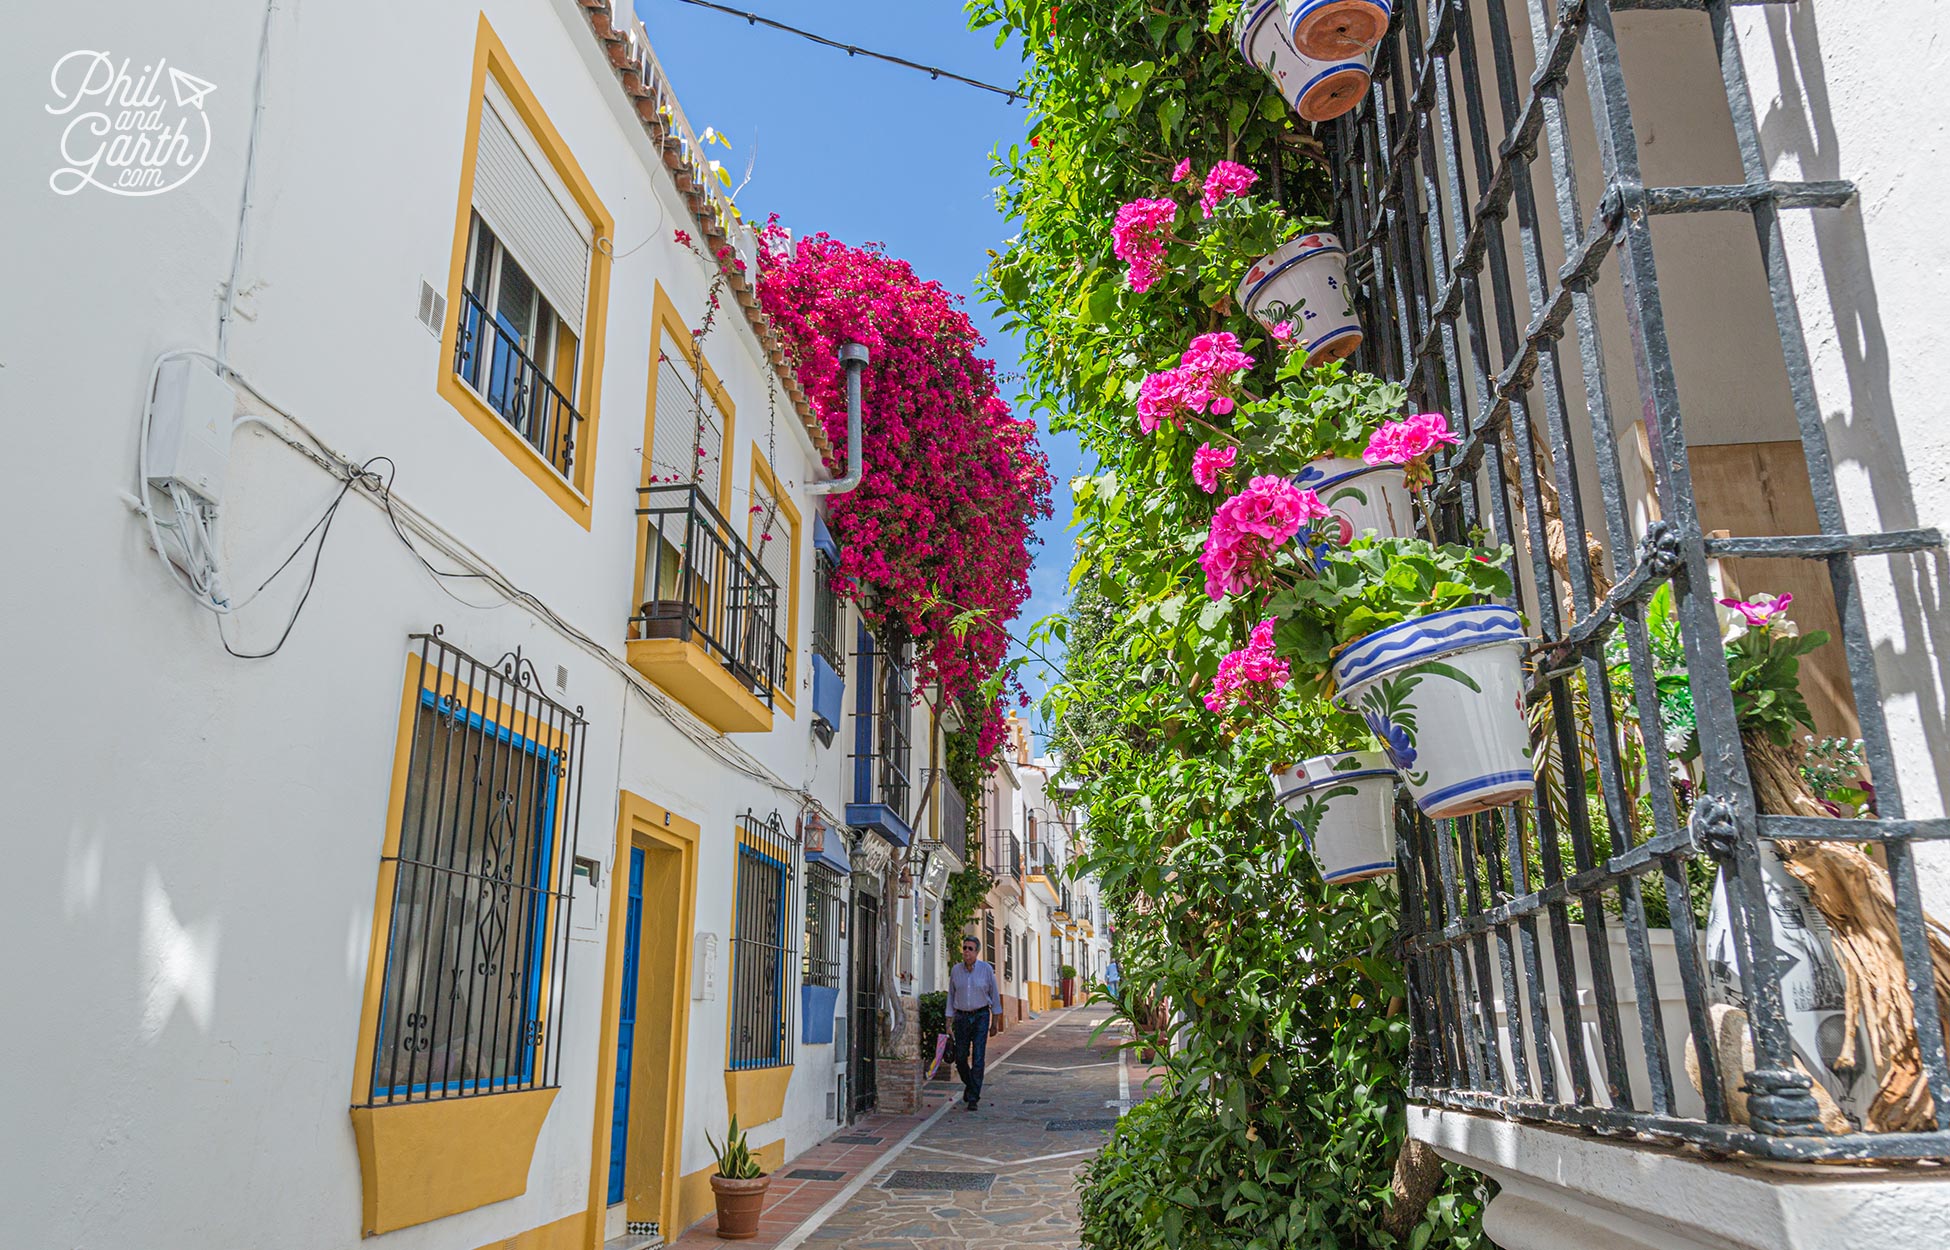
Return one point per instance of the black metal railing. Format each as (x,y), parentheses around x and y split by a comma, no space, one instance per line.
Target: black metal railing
(825,914)
(881,748)
(1005,854)
(703,584)
(1064,902)
(826,614)
(1426,190)
(471,999)
(1042,860)
(491,361)
(763,954)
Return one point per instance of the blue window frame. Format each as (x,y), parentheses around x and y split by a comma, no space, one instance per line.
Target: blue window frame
(764,945)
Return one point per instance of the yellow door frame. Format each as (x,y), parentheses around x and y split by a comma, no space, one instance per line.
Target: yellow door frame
(656,1120)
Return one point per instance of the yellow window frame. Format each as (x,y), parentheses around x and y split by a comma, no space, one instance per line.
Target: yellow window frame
(573,494)
(762,472)
(665,323)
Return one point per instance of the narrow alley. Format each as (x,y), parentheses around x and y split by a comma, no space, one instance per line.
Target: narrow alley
(1003,1176)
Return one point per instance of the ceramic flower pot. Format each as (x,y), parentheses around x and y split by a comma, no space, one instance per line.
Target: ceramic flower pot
(1305,282)
(740,1202)
(1344,805)
(1360,497)
(1444,694)
(1317,90)
(1335,29)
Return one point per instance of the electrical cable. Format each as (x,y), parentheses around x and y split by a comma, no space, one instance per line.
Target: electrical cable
(932,71)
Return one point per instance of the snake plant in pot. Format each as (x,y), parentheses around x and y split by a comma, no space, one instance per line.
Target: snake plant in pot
(739,1185)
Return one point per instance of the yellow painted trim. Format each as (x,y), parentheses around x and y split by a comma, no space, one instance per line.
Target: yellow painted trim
(424,1160)
(572,494)
(695,1199)
(762,472)
(756,1095)
(562,1234)
(694,678)
(659,829)
(664,320)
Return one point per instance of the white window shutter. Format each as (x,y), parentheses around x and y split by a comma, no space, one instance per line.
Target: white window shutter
(774,556)
(674,442)
(517,192)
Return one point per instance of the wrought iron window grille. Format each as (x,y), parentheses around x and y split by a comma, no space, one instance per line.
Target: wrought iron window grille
(886,707)
(703,583)
(764,954)
(474,979)
(1421,253)
(825,926)
(826,613)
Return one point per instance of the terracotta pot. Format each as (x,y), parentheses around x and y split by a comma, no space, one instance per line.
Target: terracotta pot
(1318,90)
(740,1202)
(1069,991)
(1329,30)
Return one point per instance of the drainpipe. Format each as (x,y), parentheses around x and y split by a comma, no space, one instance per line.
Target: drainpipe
(853,357)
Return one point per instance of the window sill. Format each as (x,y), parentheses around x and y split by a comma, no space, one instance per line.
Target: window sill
(757,1095)
(688,673)
(425,1160)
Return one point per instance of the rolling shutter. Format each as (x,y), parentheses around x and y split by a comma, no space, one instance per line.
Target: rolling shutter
(776,555)
(673,439)
(522,200)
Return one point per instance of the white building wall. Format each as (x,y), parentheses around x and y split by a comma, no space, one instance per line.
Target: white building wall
(207,830)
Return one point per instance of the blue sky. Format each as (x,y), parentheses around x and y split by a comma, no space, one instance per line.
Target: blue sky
(872,152)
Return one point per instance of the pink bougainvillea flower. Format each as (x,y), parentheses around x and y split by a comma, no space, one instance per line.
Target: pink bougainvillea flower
(1208,462)
(1223,181)
(1182,170)
(1251,677)
(1195,386)
(682,238)
(1249,527)
(1138,239)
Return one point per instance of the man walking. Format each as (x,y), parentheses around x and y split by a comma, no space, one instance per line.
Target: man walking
(1113,978)
(973,993)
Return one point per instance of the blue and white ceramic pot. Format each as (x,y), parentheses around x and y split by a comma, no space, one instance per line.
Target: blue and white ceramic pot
(1330,30)
(1305,282)
(1317,90)
(1360,497)
(1444,694)
(1344,805)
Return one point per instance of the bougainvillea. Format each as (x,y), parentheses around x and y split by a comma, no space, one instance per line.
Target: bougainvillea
(1248,528)
(1250,677)
(940,527)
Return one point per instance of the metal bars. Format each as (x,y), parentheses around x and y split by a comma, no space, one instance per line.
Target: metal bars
(703,584)
(825,918)
(491,360)
(473,983)
(763,956)
(1582,1020)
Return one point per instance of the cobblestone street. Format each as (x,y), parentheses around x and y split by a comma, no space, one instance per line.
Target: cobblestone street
(1003,1176)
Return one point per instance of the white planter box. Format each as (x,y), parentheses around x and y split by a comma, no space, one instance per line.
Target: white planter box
(1317,90)
(1305,282)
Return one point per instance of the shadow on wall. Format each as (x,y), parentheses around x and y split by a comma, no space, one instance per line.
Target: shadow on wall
(1799,123)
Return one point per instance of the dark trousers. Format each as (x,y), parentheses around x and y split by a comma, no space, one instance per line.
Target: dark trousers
(971,1052)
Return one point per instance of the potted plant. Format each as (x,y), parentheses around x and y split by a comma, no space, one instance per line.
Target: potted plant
(739,1185)
(1327,29)
(1302,284)
(1344,806)
(1318,89)
(1400,630)
(1068,975)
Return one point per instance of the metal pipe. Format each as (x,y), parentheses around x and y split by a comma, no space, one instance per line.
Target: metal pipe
(853,357)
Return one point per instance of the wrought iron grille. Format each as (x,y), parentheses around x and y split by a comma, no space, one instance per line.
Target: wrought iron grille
(825,917)
(826,613)
(1005,854)
(472,988)
(762,954)
(988,937)
(702,583)
(1008,953)
(1425,189)
(490,360)
(881,714)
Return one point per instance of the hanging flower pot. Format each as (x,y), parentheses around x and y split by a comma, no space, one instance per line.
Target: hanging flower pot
(1360,497)
(1305,282)
(1344,805)
(1334,29)
(1318,90)
(1444,693)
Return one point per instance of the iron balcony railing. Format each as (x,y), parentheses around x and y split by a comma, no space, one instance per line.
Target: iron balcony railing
(1042,860)
(1005,854)
(702,584)
(490,360)
(1463,297)
(946,821)
(883,710)
(826,614)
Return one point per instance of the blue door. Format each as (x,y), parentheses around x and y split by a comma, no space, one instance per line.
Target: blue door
(619,1129)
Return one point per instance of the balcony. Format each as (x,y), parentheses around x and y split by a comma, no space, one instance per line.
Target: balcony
(706,630)
(944,826)
(880,738)
(1042,873)
(490,359)
(1004,853)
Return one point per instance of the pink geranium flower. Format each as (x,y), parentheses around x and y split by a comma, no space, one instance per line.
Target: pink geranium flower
(1250,677)
(1195,386)
(1182,170)
(1208,462)
(1223,181)
(1138,239)
(1409,443)
(1282,332)
(1249,527)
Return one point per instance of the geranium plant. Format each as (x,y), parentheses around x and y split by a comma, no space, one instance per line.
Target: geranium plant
(1373,583)
(1330,410)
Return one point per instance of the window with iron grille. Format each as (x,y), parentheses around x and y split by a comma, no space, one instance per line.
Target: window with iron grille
(1008,953)
(763,957)
(881,712)
(988,937)
(472,976)
(825,909)
(1466,291)
(826,613)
